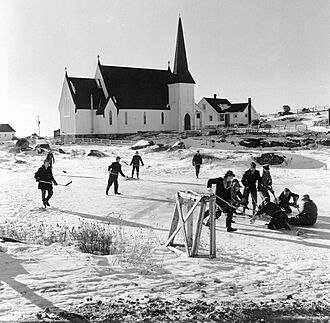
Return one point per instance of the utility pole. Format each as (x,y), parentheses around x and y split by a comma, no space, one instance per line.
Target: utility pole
(38,126)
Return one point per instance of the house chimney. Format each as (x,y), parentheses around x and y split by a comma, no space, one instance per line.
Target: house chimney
(249,111)
(214,95)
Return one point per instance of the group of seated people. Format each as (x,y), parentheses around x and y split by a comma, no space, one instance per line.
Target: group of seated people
(279,211)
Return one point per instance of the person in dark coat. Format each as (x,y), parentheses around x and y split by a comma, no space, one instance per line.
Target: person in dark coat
(284,200)
(51,159)
(197,162)
(136,161)
(236,196)
(45,179)
(249,180)
(114,169)
(223,191)
(279,218)
(266,182)
(308,215)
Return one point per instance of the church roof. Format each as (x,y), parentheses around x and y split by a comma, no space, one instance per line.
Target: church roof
(5,127)
(180,61)
(233,107)
(137,88)
(83,89)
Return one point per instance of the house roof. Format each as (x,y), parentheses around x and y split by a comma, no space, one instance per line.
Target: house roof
(216,103)
(5,127)
(238,107)
(82,90)
(233,107)
(137,88)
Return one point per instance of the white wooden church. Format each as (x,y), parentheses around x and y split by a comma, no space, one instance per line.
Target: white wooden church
(122,100)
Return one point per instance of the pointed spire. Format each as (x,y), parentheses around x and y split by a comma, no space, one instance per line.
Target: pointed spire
(98,60)
(180,60)
(66,72)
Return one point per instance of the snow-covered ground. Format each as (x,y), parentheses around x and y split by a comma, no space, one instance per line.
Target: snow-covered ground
(253,263)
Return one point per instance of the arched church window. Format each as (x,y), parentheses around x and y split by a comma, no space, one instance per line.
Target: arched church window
(110,117)
(162,118)
(144,117)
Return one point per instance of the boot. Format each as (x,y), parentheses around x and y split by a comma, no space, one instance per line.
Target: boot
(231,229)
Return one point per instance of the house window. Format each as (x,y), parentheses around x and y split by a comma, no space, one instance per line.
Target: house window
(198,115)
(235,115)
(204,106)
(110,117)
(144,117)
(162,118)
(126,118)
(245,115)
(211,118)
(221,117)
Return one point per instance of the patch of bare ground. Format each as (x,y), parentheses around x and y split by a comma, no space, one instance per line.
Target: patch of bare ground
(150,309)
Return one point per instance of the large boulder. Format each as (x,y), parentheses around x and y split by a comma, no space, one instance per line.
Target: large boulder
(42,146)
(142,144)
(97,153)
(22,143)
(270,158)
(178,145)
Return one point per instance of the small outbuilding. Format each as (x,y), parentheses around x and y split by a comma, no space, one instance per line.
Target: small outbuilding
(6,132)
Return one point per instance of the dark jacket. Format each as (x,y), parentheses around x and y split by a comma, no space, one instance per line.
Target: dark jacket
(197,160)
(115,168)
(285,200)
(279,218)
(221,191)
(266,180)
(270,209)
(136,160)
(309,213)
(44,175)
(250,179)
(236,196)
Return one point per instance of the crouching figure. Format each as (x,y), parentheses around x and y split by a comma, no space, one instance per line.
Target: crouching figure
(279,219)
(308,215)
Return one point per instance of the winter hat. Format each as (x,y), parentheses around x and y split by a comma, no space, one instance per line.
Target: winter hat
(266,167)
(287,190)
(229,173)
(46,161)
(236,183)
(117,158)
(305,197)
(136,153)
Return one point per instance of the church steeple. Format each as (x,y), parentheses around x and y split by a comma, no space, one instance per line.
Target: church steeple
(180,61)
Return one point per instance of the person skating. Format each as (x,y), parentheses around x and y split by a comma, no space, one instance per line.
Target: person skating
(114,169)
(279,218)
(249,180)
(223,193)
(136,161)
(50,157)
(284,200)
(45,179)
(308,215)
(266,182)
(197,162)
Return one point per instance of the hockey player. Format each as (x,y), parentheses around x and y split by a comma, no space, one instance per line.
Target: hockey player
(284,200)
(266,182)
(45,179)
(50,157)
(197,162)
(250,178)
(308,215)
(114,169)
(136,161)
(223,192)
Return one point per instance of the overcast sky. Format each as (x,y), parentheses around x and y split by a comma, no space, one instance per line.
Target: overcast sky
(275,51)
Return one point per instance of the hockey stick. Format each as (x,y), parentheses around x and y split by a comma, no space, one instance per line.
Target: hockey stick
(67,184)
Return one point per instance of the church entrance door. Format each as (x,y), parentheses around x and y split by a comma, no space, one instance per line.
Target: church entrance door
(187,125)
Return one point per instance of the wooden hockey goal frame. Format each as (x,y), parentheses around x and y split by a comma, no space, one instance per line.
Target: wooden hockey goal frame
(186,222)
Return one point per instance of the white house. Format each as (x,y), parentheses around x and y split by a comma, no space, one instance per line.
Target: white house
(6,132)
(122,100)
(221,112)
